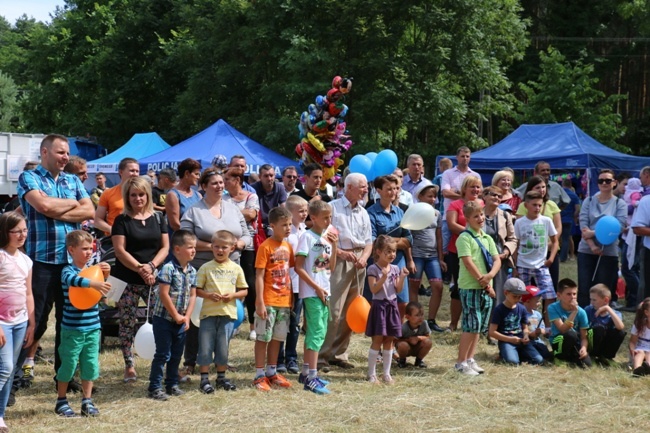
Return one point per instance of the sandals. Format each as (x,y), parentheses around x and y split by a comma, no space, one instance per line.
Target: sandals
(206,388)
(130,376)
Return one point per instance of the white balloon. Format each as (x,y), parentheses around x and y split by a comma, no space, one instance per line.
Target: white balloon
(418,216)
(196,313)
(145,344)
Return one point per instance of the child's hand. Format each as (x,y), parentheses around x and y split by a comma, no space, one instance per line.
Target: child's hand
(414,340)
(443,266)
(407,270)
(29,335)
(106,268)
(526,339)
(3,338)
(573,305)
(214,297)
(102,286)
(179,319)
(332,238)
(260,310)
(320,292)
(582,354)
(604,309)
(227,297)
(490,292)
(187,322)
(484,280)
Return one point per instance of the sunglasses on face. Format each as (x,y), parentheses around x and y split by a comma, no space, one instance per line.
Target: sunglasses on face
(494,194)
(290,177)
(607,181)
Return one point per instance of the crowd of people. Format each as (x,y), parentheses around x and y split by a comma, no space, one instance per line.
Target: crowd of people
(298,256)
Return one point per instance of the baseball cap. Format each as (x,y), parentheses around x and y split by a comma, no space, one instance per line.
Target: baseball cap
(531,292)
(515,286)
(220,161)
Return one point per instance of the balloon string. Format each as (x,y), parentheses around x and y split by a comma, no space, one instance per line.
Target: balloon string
(149,302)
(596,270)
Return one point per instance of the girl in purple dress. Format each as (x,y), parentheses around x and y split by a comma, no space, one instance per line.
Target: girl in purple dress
(384,323)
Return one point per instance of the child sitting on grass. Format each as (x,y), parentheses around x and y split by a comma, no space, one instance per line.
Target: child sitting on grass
(509,325)
(569,326)
(606,328)
(80,329)
(174,302)
(273,300)
(536,327)
(220,282)
(415,339)
(476,250)
(640,340)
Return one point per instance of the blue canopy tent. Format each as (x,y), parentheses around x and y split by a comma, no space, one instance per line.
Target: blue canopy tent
(139,146)
(218,139)
(563,145)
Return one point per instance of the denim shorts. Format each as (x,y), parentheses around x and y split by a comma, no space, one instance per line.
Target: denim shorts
(430,266)
(214,339)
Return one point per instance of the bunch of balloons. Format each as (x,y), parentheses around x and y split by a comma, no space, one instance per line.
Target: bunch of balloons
(373,164)
(323,134)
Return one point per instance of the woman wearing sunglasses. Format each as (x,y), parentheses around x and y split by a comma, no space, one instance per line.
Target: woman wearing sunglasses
(598,263)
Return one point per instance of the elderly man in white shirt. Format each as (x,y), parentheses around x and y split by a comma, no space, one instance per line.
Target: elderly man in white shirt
(354,248)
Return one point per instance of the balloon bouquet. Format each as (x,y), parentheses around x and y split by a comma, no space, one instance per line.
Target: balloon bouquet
(323,134)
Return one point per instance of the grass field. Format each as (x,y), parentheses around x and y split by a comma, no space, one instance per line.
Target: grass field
(504,399)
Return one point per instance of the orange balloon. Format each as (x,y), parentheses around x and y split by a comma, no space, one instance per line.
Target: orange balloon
(84,298)
(357,315)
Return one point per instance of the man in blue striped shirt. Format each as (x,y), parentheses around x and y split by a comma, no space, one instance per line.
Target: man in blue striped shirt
(80,329)
(55,203)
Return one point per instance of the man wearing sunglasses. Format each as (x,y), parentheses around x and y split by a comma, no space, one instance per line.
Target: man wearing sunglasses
(290,180)
(555,191)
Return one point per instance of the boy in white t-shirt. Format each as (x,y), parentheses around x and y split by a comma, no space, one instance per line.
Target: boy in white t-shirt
(288,356)
(315,261)
(534,232)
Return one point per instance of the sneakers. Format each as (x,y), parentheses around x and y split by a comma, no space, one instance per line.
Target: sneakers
(292,367)
(316,386)
(401,363)
(252,335)
(63,409)
(302,378)
(12,396)
(28,376)
(282,369)
(464,368)
(89,409)
(262,383)
(279,381)
(434,326)
(226,385)
(158,394)
(174,391)
(420,364)
(206,388)
(474,366)
(185,374)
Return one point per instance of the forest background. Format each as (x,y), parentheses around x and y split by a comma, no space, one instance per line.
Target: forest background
(429,75)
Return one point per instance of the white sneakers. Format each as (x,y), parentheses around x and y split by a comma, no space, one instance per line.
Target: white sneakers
(252,335)
(469,368)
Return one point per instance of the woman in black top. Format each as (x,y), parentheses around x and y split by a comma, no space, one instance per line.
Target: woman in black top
(141,245)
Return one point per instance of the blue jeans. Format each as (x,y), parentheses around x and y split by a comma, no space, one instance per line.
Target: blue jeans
(606,273)
(291,351)
(631,274)
(446,235)
(170,342)
(517,353)
(15,335)
(214,340)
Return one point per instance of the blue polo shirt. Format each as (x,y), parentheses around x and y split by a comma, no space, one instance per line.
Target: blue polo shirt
(46,236)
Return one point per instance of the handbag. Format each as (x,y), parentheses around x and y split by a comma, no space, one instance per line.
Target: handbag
(484,252)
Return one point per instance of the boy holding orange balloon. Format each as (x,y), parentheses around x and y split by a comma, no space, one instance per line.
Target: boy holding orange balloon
(315,261)
(80,326)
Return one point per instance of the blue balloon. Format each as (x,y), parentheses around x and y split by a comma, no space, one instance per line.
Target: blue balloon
(385,163)
(360,164)
(371,156)
(607,230)
(240,314)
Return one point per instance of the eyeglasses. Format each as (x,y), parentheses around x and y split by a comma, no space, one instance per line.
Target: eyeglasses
(494,194)
(290,177)
(607,181)
(17,232)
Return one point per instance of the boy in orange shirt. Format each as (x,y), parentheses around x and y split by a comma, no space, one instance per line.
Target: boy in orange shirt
(274,297)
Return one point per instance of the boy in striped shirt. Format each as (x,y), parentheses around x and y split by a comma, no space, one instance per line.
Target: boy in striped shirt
(80,329)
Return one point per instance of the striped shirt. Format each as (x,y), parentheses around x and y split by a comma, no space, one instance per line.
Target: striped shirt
(180,282)
(353,224)
(78,320)
(46,237)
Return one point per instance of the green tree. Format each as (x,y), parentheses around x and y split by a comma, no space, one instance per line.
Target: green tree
(8,103)
(566,91)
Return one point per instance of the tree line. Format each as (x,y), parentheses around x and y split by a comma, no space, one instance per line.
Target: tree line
(428,75)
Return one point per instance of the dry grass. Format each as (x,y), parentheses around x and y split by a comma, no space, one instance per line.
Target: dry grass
(505,399)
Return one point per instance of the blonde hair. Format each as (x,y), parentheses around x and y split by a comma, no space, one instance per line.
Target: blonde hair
(76,237)
(470,208)
(468,182)
(139,184)
(295,202)
(500,175)
(601,290)
(381,243)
